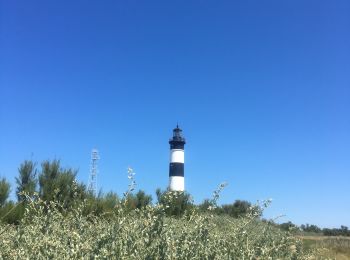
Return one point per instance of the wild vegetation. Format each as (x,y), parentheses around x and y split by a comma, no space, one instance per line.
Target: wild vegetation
(54,183)
(329,247)
(60,219)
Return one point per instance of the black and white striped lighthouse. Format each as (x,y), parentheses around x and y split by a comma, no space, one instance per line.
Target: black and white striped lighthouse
(177,160)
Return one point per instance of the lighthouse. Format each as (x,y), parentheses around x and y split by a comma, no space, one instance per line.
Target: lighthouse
(177,160)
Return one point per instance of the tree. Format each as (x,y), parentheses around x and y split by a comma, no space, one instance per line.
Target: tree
(287,226)
(12,213)
(205,205)
(342,231)
(142,199)
(311,228)
(58,184)
(238,209)
(110,200)
(48,178)
(176,202)
(137,201)
(26,181)
(4,191)
(101,204)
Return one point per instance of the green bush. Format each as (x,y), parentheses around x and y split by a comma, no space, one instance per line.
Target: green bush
(176,203)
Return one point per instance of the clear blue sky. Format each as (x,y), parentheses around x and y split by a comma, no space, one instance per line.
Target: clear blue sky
(260,88)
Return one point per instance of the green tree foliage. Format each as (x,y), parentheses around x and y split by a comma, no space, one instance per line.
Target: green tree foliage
(137,201)
(101,204)
(58,184)
(238,209)
(205,205)
(12,213)
(48,178)
(27,180)
(4,191)
(342,231)
(110,200)
(311,228)
(142,199)
(175,202)
(287,226)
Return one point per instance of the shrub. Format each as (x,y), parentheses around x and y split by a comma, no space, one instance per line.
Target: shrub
(49,230)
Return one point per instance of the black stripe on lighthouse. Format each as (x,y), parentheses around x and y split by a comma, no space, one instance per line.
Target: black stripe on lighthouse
(177,145)
(176,169)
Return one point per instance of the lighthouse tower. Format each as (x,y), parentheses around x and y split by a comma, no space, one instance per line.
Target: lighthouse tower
(177,160)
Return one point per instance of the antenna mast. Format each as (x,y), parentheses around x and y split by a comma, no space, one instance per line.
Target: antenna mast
(92,186)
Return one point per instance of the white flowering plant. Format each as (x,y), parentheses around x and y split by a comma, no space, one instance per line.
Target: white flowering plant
(50,231)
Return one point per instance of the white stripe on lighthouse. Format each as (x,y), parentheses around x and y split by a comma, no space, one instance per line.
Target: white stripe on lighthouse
(177,183)
(177,156)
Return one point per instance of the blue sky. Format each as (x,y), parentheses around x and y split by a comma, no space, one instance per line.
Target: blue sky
(260,88)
